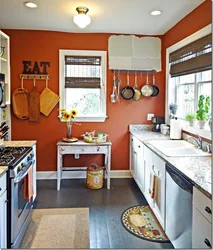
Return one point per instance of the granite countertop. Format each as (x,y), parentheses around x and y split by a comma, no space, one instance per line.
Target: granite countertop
(197,169)
(19,143)
(3,170)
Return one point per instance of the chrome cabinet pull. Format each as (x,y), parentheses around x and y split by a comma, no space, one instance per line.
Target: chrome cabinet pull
(207,242)
(208,210)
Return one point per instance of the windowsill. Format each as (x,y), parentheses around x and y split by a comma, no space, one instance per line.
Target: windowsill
(90,119)
(204,133)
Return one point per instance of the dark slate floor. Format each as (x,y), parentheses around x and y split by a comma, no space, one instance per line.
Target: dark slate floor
(106,207)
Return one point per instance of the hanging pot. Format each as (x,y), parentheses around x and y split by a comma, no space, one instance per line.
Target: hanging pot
(147,89)
(138,93)
(155,88)
(127,92)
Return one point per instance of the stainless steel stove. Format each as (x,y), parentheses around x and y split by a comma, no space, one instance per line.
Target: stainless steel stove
(18,160)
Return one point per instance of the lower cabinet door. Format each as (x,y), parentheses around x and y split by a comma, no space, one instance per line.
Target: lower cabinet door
(147,170)
(201,231)
(3,220)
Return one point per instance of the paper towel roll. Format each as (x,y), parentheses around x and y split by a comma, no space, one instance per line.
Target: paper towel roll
(175,129)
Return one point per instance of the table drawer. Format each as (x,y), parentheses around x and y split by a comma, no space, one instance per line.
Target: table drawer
(2,184)
(83,149)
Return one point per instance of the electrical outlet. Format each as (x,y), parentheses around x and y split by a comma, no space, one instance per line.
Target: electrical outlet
(149,117)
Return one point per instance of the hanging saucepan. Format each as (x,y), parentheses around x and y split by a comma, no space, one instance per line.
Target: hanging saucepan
(137,94)
(155,88)
(147,90)
(127,92)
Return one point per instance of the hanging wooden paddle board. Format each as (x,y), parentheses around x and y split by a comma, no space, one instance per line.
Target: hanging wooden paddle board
(34,105)
(48,100)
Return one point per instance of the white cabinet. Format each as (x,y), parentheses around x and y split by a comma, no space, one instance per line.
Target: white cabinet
(157,165)
(137,161)
(3,212)
(5,113)
(201,221)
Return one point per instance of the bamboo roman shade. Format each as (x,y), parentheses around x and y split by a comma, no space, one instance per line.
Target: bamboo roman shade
(192,58)
(82,72)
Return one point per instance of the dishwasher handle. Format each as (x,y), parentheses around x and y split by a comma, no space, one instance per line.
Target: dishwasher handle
(181,181)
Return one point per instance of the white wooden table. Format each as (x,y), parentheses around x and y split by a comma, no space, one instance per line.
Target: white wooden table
(81,147)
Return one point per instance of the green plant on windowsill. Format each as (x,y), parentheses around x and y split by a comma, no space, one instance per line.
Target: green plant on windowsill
(203,110)
(191,117)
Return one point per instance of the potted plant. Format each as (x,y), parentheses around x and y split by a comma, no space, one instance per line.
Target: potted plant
(203,110)
(191,117)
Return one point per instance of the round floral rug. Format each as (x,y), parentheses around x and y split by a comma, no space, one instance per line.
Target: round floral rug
(140,221)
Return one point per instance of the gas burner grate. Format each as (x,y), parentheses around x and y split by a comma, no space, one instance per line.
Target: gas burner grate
(6,159)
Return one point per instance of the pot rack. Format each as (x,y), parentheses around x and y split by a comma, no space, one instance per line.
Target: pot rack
(34,76)
(134,71)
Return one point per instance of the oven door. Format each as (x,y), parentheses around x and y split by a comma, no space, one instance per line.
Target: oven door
(20,207)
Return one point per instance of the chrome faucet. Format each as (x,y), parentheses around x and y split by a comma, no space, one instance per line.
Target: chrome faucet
(198,140)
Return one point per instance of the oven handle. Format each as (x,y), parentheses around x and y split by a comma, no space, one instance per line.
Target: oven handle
(19,178)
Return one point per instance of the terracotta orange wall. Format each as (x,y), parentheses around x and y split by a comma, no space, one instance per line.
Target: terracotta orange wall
(44,46)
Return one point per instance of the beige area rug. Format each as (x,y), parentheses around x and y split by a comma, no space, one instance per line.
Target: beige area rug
(58,228)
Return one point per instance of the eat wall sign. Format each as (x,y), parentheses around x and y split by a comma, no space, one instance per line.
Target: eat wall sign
(36,68)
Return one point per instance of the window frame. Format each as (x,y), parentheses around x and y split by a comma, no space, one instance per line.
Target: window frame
(197,35)
(103,99)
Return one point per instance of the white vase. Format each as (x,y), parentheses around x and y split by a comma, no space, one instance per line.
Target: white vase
(201,124)
(192,123)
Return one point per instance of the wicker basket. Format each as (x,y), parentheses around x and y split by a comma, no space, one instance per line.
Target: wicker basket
(95,138)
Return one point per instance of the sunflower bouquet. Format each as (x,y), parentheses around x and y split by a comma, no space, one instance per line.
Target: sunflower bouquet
(69,117)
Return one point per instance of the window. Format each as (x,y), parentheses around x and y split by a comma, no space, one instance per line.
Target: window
(186,89)
(189,72)
(83,83)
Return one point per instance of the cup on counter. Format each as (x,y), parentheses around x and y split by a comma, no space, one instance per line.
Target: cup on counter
(164,129)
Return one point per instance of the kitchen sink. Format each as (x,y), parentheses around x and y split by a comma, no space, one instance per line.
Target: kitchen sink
(178,148)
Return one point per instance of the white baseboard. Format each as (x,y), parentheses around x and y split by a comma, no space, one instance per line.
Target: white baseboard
(48,175)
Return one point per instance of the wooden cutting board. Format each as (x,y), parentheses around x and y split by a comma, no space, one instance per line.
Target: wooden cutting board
(48,100)
(20,101)
(34,106)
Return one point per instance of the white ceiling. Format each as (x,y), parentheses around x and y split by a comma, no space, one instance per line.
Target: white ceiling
(107,16)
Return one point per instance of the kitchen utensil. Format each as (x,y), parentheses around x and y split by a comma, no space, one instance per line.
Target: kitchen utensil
(119,87)
(4,135)
(127,92)
(34,104)
(48,100)
(155,88)
(113,95)
(2,125)
(4,129)
(137,94)
(20,100)
(147,89)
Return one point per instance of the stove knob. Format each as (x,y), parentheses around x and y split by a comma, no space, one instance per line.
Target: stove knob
(23,165)
(19,169)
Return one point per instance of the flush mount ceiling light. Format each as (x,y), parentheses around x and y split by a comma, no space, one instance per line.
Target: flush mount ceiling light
(30,5)
(82,20)
(155,12)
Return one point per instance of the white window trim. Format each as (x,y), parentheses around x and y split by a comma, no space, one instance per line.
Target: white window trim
(103,55)
(197,35)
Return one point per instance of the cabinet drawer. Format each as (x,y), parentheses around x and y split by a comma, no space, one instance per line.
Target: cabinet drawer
(83,149)
(202,203)
(201,231)
(2,184)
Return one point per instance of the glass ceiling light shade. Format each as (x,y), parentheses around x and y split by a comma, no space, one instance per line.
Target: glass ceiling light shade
(82,20)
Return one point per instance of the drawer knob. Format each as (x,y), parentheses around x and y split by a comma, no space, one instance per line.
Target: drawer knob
(207,242)
(208,210)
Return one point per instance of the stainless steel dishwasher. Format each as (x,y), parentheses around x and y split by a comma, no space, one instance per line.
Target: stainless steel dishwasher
(178,209)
